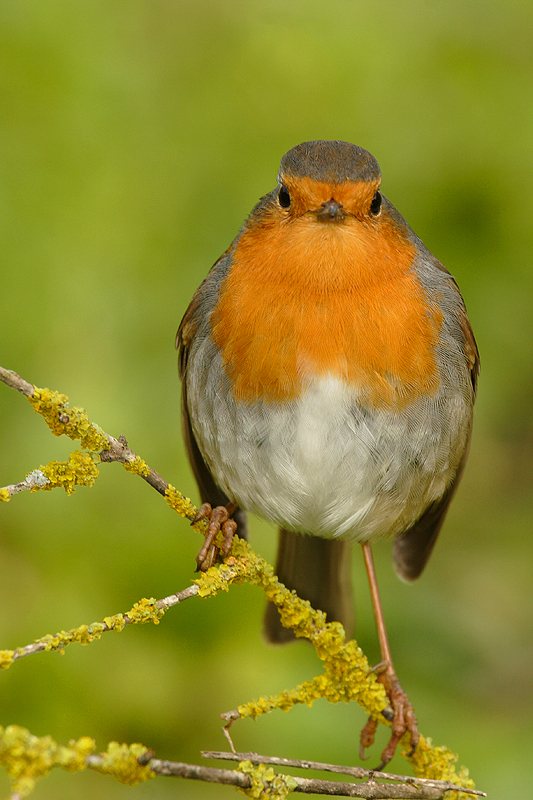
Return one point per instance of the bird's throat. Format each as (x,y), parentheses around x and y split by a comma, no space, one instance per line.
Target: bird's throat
(305,299)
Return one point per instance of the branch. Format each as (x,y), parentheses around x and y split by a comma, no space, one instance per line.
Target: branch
(144,611)
(245,780)
(80,470)
(347,675)
(13,380)
(33,480)
(28,758)
(354,772)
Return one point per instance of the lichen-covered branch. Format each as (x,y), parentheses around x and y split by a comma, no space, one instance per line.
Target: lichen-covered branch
(10,378)
(144,611)
(28,758)
(33,481)
(80,469)
(347,675)
(358,773)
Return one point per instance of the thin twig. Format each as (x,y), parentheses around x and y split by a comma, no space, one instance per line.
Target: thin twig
(371,790)
(231,716)
(117,449)
(174,599)
(195,772)
(14,380)
(34,480)
(164,604)
(354,772)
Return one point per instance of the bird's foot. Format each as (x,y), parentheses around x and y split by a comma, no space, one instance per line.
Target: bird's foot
(401,714)
(219,521)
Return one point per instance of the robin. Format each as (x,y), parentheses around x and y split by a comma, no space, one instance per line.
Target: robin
(329,374)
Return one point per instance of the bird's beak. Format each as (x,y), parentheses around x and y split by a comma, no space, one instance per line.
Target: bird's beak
(330,212)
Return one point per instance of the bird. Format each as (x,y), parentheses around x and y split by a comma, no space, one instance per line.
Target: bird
(329,372)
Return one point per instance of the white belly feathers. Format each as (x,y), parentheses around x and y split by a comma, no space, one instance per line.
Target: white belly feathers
(291,463)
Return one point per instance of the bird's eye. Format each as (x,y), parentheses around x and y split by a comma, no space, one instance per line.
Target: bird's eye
(284,198)
(375,205)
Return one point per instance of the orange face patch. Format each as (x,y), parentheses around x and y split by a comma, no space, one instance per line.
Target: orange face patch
(308,194)
(305,299)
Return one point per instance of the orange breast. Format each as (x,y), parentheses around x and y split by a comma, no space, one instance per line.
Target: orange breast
(306,299)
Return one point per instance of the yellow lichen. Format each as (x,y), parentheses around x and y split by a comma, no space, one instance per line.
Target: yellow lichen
(26,757)
(6,658)
(146,610)
(179,502)
(79,470)
(439,763)
(115,622)
(347,675)
(138,466)
(84,634)
(265,782)
(121,761)
(5,497)
(64,420)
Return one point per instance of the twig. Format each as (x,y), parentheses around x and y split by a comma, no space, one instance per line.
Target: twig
(60,640)
(29,758)
(354,772)
(13,380)
(117,449)
(179,597)
(34,480)
(73,422)
(178,769)
(370,790)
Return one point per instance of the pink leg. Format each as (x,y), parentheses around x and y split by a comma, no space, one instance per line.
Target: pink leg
(403,714)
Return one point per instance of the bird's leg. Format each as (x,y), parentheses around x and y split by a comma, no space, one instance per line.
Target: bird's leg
(219,520)
(403,713)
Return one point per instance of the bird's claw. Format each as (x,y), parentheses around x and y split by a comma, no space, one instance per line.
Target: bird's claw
(403,719)
(219,521)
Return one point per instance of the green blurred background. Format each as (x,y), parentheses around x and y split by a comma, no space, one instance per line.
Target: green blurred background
(134,139)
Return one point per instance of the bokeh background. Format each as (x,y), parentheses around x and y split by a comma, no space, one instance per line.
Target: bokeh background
(134,139)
